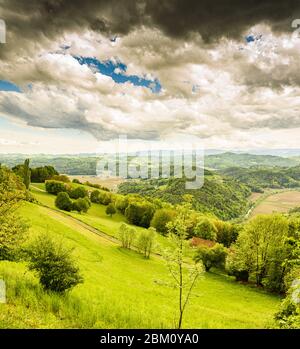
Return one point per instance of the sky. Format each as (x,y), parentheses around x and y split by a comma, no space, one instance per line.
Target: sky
(75,76)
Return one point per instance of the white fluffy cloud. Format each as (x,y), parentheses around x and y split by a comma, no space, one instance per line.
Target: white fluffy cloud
(228,93)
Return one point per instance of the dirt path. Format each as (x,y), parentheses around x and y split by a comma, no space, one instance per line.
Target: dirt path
(84,228)
(77,224)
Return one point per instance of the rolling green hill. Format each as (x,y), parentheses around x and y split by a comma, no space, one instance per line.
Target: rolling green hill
(258,178)
(222,196)
(121,289)
(225,160)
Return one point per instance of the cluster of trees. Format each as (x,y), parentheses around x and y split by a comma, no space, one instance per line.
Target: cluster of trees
(266,251)
(224,197)
(89,184)
(259,178)
(143,241)
(48,259)
(37,175)
(65,193)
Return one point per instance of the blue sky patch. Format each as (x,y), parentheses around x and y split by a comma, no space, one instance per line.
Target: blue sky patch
(117,71)
(8,86)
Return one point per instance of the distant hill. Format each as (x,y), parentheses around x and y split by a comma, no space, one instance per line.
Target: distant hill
(258,178)
(225,197)
(227,160)
(85,164)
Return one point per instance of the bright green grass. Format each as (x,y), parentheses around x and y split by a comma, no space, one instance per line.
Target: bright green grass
(95,217)
(121,289)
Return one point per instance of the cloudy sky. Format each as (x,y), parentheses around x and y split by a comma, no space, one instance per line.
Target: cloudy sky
(75,75)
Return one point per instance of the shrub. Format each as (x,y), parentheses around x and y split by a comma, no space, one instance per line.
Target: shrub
(53,264)
(227,233)
(79,192)
(63,202)
(61,178)
(122,203)
(288,316)
(140,213)
(110,210)
(126,235)
(211,256)
(41,174)
(95,196)
(161,218)
(55,187)
(81,205)
(261,249)
(206,229)
(145,242)
(105,198)
(76,181)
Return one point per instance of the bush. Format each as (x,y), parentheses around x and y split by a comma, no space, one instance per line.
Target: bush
(110,210)
(227,233)
(95,196)
(81,205)
(122,203)
(55,187)
(212,256)
(61,178)
(76,181)
(206,229)
(140,213)
(105,198)
(79,192)
(41,174)
(145,242)
(126,235)
(161,218)
(63,202)
(53,264)
(288,316)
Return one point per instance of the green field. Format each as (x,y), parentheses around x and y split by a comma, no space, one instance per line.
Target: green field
(277,202)
(121,289)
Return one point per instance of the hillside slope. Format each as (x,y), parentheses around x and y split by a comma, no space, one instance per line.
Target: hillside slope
(121,289)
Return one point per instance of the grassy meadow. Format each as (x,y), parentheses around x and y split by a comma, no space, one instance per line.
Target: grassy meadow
(121,289)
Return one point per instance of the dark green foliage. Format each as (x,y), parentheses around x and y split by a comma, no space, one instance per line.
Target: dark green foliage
(95,196)
(211,256)
(259,178)
(263,250)
(63,202)
(223,196)
(205,229)
(61,178)
(110,210)
(55,187)
(41,174)
(79,192)
(27,174)
(227,233)
(53,264)
(81,205)
(104,198)
(95,185)
(161,218)
(140,213)
(76,181)
(288,316)
(122,203)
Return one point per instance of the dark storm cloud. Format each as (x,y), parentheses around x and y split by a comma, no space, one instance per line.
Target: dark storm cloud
(211,18)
